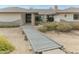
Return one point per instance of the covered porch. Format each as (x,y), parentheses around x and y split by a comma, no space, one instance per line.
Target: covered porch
(32,18)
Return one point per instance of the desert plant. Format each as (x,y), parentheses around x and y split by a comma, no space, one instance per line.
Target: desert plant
(64,27)
(42,29)
(75,26)
(5,46)
(51,26)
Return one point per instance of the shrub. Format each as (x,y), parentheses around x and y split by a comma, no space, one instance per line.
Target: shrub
(42,29)
(59,26)
(51,26)
(75,26)
(2,26)
(5,46)
(64,27)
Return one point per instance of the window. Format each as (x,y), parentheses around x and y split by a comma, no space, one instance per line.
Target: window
(50,18)
(65,15)
(76,16)
(38,18)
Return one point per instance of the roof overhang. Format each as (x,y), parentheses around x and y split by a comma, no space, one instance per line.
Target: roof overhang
(67,12)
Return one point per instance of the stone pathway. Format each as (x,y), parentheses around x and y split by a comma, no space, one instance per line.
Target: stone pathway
(40,42)
(16,38)
(56,51)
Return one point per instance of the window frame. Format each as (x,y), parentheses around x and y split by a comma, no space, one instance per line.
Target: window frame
(76,16)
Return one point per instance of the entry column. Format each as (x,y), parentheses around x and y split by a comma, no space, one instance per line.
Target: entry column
(33,19)
(45,18)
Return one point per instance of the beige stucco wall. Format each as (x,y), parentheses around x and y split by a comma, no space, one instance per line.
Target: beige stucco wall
(68,17)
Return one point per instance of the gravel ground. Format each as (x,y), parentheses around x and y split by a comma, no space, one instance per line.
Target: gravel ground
(69,40)
(16,37)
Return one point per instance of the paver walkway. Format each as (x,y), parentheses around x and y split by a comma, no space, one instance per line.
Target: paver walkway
(38,41)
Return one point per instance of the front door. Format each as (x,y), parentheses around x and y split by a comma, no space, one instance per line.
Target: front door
(28,18)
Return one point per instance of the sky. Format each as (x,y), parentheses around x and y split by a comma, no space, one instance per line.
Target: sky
(39,6)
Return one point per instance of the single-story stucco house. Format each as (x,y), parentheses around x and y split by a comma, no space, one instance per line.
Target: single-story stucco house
(21,16)
(69,14)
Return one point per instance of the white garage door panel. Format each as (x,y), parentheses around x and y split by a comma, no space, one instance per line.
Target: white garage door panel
(10,17)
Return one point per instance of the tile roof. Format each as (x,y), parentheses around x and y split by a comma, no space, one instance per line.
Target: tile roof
(17,9)
(69,10)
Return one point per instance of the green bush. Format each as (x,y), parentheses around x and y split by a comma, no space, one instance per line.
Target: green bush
(42,29)
(64,27)
(51,26)
(5,46)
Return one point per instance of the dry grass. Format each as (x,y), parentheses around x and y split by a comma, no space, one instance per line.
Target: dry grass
(5,46)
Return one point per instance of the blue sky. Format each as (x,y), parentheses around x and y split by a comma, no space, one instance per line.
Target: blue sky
(39,6)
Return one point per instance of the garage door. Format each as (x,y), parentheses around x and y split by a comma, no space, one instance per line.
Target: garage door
(10,19)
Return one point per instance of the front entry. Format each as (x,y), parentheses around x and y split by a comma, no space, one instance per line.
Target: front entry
(28,18)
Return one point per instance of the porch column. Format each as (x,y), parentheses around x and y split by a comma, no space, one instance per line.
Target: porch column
(45,18)
(33,19)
